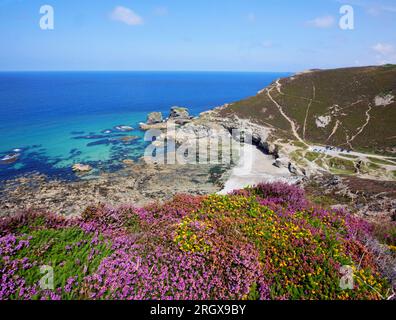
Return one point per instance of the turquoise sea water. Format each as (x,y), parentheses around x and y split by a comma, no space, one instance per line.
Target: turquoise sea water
(57,119)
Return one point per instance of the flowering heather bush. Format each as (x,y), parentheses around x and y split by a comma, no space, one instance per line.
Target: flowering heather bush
(264,242)
(386,233)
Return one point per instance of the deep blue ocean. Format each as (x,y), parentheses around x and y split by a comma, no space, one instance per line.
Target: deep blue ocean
(55,119)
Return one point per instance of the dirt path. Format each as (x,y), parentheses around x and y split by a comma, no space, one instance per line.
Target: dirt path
(292,123)
(334,130)
(308,107)
(360,130)
(334,153)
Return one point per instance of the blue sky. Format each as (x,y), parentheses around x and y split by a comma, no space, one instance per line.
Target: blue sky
(223,35)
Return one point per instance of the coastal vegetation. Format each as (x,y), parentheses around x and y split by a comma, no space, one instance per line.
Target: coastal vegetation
(263,242)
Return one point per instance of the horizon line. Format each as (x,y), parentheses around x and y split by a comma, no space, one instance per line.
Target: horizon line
(115,70)
(197,71)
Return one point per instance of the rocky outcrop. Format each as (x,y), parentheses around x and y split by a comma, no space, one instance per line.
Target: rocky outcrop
(155,126)
(259,134)
(282,162)
(179,113)
(285,162)
(154,117)
(209,128)
(383,100)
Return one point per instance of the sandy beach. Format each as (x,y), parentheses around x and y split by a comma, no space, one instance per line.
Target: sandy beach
(255,167)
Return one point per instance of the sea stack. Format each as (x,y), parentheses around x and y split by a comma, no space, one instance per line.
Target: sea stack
(154,117)
(180,115)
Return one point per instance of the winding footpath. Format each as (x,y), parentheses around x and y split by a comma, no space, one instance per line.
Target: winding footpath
(308,107)
(360,130)
(292,123)
(335,153)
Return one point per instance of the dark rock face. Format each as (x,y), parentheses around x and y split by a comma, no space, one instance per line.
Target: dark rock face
(154,117)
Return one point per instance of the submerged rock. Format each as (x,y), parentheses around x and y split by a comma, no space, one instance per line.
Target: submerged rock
(93,137)
(124,128)
(10,158)
(128,138)
(79,167)
(99,142)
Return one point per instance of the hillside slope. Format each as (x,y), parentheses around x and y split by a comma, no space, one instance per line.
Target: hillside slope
(352,108)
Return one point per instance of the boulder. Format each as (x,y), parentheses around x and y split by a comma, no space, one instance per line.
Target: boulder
(293,169)
(282,163)
(271,148)
(179,113)
(154,117)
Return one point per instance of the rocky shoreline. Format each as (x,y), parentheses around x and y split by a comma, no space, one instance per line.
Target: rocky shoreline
(148,180)
(138,183)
